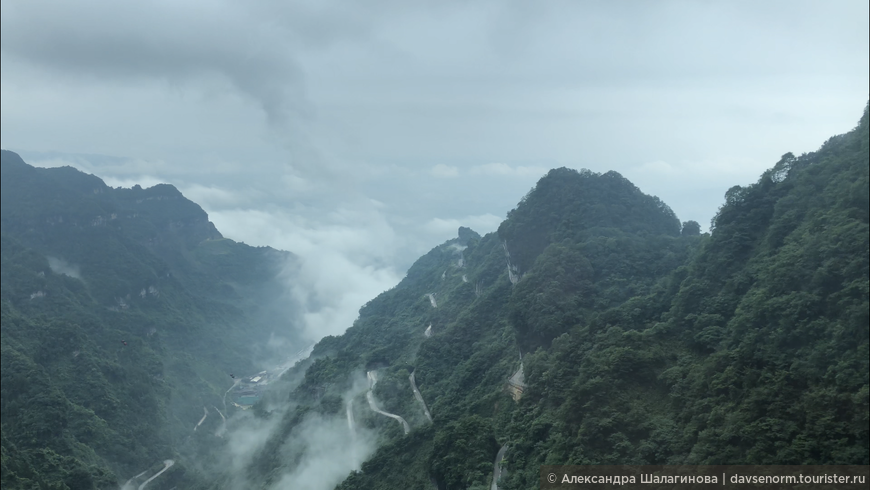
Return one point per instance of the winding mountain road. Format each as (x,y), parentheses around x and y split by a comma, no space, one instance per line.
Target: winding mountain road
(204,415)
(129,484)
(235,383)
(419,397)
(223,429)
(496,467)
(166,465)
(373,378)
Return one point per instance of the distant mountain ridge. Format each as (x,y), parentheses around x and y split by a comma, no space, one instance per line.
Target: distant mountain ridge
(63,186)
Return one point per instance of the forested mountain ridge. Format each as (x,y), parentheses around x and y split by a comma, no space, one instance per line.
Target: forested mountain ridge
(123,313)
(591,329)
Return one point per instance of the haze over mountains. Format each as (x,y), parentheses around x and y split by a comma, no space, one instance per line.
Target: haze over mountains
(358,137)
(592,328)
(492,234)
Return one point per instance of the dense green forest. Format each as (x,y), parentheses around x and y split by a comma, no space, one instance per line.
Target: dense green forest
(592,328)
(641,340)
(123,310)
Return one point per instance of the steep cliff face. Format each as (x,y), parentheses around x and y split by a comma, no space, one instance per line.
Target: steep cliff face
(124,311)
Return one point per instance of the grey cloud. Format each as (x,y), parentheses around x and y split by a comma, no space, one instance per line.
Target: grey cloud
(359,135)
(329,451)
(60,266)
(251,46)
(346,257)
(323,449)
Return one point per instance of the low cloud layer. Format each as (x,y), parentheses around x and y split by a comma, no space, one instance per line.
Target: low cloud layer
(358,137)
(345,259)
(331,452)
(350,247)
(60,266)
(320,452)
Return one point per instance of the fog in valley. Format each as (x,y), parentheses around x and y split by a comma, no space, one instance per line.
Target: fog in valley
(360,135)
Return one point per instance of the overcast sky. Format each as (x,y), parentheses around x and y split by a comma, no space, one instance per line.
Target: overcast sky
(361,134)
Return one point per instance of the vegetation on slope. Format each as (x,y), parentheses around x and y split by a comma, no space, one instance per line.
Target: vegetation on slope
(642,341)
(123,311)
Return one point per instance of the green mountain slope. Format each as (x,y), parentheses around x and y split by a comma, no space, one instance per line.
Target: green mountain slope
(123,311)
(591,330)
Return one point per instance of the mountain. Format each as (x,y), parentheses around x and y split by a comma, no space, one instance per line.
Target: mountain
(123,313)
(594,328)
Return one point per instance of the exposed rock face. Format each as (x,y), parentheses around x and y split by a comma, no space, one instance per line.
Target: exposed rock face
(517,384)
